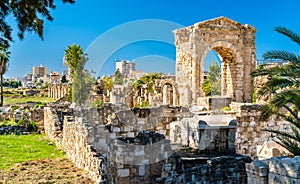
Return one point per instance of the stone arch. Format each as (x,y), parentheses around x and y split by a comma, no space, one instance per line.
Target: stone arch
(172,98)
(230,58)
(234,42)
(57,90)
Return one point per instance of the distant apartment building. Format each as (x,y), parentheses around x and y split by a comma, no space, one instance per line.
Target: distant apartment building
(39,71)
(126,68)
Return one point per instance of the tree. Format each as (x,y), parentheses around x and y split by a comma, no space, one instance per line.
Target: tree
(4,57)
(29,16)
(75,59)
(206,87)
(107,84)
(148,81)
(82,83)
(212,84)
(283,86)
(64,79)
(73,55)
(119,79)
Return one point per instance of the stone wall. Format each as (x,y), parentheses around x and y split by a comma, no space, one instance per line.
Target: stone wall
(53,125)
(24,113)
(121,121)
(71,135)
(114,153)
(220,169)
(249,132)
(276,170)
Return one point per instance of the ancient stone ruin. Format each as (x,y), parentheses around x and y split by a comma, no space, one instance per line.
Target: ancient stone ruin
(58,90)
(234,43)
(175,141)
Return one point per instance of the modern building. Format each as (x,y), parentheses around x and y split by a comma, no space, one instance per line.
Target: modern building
(39,71)
(126,68)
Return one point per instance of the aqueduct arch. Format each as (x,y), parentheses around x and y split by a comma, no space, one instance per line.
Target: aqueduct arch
(235,44)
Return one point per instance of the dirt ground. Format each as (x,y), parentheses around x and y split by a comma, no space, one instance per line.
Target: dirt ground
(44,171)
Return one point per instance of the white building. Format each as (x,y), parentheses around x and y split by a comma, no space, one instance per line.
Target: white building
(126,68)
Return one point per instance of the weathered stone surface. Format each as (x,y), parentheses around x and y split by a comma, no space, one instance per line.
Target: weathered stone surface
(258,171)
(58,90)
(249,131)
(234,42)
(275,170)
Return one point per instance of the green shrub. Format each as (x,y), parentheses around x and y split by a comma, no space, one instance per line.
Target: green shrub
(97,104)
(39,104)
(15,107)
(254,97)
(143,105)
(21,121)
(32,126)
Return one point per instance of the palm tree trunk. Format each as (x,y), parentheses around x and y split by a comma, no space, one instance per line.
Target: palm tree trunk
(1,80)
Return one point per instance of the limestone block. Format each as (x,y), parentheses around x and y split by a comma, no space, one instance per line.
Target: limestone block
(130,134)
(116,129)
(90,139)
(286,166)
(123,172)
(120,166)
(142,170)
(124,180)
(238,140)
(279,179)
(245,124)
(139,151)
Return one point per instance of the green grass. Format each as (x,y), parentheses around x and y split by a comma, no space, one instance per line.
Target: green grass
(11,101)
(22,148)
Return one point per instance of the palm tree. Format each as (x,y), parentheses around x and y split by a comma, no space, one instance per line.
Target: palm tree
(73,55)
(4,57)
(283,88)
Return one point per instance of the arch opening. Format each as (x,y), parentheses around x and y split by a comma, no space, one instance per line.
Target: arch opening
(228,60)
(212,75)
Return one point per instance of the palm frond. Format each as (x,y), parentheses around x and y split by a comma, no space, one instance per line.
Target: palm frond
(279,101)
(290,69)
(283,86)
(289,33)
(291,146)
(276,84)
(294,136)
(264,91)
(281,55)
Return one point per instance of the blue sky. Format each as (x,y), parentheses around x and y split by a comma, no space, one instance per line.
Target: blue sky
(85,21)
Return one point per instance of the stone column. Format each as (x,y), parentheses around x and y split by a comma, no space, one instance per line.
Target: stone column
(195,70)
(175,97)
(165,95)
